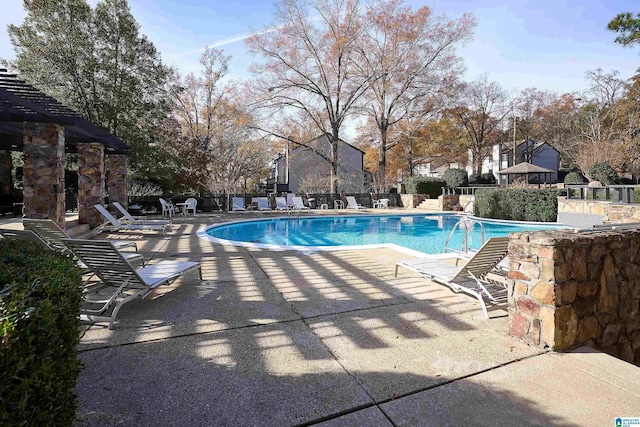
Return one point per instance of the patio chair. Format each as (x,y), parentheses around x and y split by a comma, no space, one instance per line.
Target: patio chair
(190,205)
(48,231)
(238,205)
(290,202)
(352,204)
(281,204)
(167,208)
(120,281)
(22,235)
(130,219)
(263,203)
(115,225)
(478,277)
(381,204)
(298,204)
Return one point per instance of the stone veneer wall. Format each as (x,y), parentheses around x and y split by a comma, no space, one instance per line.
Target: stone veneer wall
(90,182)
(568,289)
(44,172)
(412,200)
(612,212)
(5,172)
(117,179)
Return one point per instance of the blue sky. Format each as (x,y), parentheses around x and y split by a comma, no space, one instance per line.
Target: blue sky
(545,44)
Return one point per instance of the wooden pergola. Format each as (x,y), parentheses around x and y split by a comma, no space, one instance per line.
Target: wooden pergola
(527,169)
(43,129)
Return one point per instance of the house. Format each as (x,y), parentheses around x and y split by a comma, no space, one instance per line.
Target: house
(302,169)
(540,154)
(433,168)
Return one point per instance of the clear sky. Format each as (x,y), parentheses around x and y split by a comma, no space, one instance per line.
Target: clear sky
(547,44)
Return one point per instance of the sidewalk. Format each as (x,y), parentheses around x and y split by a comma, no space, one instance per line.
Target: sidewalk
(275,338)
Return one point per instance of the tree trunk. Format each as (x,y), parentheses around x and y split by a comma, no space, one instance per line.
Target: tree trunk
(382,159)
(334,161)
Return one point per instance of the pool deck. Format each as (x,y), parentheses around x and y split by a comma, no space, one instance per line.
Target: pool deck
(331,338)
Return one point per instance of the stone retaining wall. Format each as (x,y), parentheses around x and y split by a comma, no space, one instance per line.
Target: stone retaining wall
(412,200)
(611,212)
(568,289)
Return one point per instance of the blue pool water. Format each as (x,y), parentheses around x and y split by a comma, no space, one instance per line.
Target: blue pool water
(424,233)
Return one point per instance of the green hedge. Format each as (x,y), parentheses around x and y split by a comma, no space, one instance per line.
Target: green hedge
(40,300)
(517,204)
(424,185)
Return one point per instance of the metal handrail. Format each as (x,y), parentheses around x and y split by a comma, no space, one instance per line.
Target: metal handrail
(468,224)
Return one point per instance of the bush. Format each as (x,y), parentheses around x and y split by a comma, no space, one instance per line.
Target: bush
(485,178)
(517,204)
(40,299)
(603,172)
(574,178)
(456,178)
(424,185)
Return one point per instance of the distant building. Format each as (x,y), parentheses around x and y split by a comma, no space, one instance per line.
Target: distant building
(303,170)
(540,154)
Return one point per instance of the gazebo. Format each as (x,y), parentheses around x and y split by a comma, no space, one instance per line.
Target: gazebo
(527,169)
(44,129)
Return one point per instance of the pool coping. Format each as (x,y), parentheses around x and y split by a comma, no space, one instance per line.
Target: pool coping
(202,233)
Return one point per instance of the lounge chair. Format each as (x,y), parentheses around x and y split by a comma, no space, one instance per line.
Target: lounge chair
(48,231)
(298,204)
(290,202)
(130,219)
(23,235)
(167,208)
(478,277)
(238,204)
(114,224)
(121,282)
(263,203)
(281,204)
(352,204)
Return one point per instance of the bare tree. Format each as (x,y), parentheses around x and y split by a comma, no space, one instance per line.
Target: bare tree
(309,65)
(481,108)
(412,55)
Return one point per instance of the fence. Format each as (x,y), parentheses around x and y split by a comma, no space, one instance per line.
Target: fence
(220,202)
(609,193)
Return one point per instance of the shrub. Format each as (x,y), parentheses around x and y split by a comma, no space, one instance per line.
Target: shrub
(40,299)
(485,178)
(456,178)
(424,185)
(574,178)
(603,172)
(517,204)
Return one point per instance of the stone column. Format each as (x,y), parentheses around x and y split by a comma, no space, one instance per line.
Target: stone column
(5,172)
(44,171)
(117,179)
(90,182)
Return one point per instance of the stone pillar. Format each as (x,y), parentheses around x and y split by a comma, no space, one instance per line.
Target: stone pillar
(568,289)
(44,171)
(5,172)
(117,179)
(90,182)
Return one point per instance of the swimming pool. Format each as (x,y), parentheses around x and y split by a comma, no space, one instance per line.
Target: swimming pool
(422,233)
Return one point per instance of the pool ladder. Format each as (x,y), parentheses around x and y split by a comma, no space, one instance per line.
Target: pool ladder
(465,223)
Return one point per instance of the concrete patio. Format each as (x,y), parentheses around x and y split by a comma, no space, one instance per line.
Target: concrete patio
(331,338)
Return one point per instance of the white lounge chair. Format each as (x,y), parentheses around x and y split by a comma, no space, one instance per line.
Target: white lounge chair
(263,203)
(238,205)
(114,224)
(167,208)
(298,204)
(49,231)
(290,202)
(130,219)
(281,204)
(353,204)
(121,282)
(478,277)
